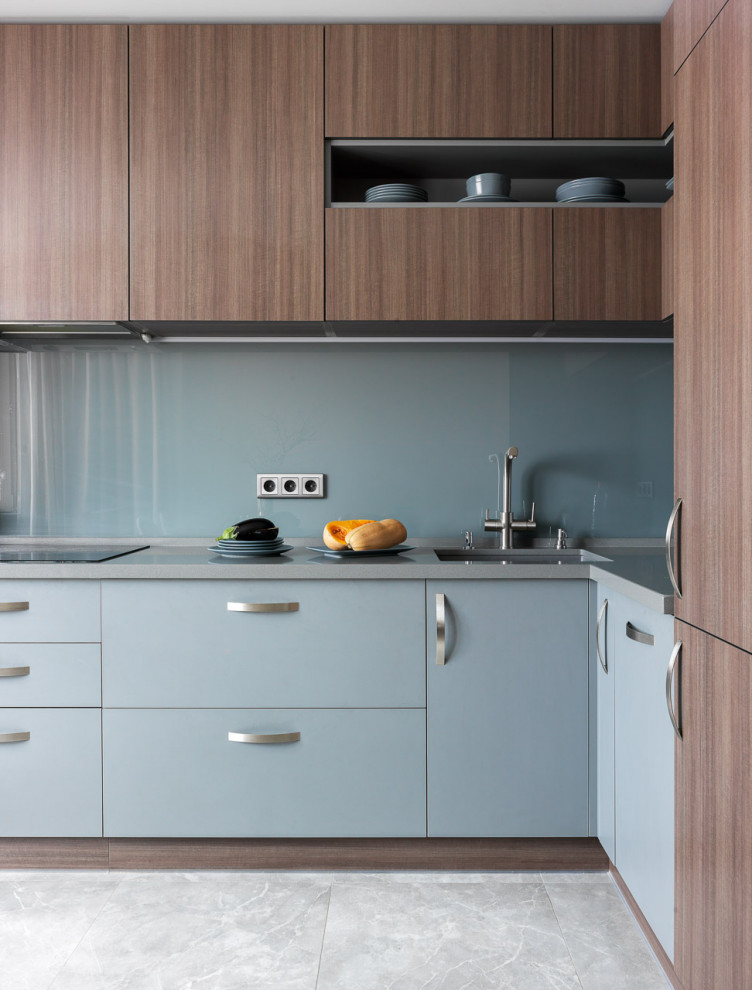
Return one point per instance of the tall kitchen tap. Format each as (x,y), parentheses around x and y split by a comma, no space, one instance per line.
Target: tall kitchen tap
(506,524)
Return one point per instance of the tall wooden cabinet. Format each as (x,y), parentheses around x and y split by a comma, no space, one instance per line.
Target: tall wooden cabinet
(714,809)
(691,18)
(226,166)
(713,328)
(63,172)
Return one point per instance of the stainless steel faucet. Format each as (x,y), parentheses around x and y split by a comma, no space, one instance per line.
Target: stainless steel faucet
(506,524)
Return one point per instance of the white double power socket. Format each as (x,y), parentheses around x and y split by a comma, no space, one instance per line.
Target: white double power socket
(290,485)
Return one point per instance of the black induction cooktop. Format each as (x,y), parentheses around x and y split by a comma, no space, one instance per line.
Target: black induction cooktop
(72,554)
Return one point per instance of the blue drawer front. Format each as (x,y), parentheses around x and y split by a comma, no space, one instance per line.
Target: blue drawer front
(50,675)
(58,612)
(353,773)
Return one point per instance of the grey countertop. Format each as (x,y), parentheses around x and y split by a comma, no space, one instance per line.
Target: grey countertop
(636,571)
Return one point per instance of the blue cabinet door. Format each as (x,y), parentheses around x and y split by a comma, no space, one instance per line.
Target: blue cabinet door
(605,673)
(508,712)
(644,761)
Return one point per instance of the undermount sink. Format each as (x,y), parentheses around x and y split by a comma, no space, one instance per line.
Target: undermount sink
(533,556)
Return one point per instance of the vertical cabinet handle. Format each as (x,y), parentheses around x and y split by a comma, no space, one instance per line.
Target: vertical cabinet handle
(15,671)
(14,606)
(263,606)
(14,737)
(669,535)
(264,738)
(672,661)
(604,609)
(441,630)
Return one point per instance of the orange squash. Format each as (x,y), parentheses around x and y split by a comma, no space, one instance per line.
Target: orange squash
(337,532)
(377,535)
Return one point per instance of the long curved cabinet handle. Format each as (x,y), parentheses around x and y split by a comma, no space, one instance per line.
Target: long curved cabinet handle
(672,661)
(15,671)
(14,737)
(669,534)
(264,738)
(14,606)
(263,606)
(647,639)
(441,629)
(604,609)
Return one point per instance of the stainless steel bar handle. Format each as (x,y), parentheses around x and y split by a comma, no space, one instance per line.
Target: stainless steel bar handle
(669,534)
(639,636)
(14,606)
(672,661)
(263,606)
(604,609)
(15,671)
(440,629)
(14,737)
(264,738)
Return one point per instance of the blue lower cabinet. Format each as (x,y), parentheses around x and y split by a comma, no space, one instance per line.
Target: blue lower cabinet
(264,772)
(50,772)
(605,674)
(644,764)
(508,710)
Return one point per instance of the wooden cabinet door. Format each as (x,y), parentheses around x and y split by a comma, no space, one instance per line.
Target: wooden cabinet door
(438,264)
(508,711)
(438,80)
(63,172)
(691,19)
(226,172)
(713,814)
(667,69)
(607,263)
(713,328)
(607,81)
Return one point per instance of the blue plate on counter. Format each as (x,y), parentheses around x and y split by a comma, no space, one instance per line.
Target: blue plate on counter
(261,552)
(390,551)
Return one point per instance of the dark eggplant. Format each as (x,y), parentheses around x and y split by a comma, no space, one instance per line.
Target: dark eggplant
(251,529)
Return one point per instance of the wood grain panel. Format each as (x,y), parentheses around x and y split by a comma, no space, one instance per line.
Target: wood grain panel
(713,814)
(438,264)
(713,328)
(607,80)
(54,854)
(667,70)
(667,259)
(63,172)
(607,264)
(226,172)
(438,80)
(660,953)
(692,18)
(357,854)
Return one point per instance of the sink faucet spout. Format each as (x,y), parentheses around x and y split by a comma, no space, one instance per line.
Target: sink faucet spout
(506,524)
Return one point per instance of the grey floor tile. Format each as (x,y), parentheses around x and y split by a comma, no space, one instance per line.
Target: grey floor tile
(435,876)
(607,947)
(212,935)
(433,936)
(41,923)
(577,876)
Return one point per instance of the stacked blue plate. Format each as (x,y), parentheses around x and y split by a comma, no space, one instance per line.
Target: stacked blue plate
(250,548)
(596,189)
(396,192)
(487,198)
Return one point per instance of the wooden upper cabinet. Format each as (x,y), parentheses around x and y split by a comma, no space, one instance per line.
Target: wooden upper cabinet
(438,264)
(607,263)
(607,80)
(226,172)
(692,18)
(667,70)
(713,810)
(63,172)
(713,328)
(438,80)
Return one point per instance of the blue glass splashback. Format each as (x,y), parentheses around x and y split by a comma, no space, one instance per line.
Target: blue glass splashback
(166,440)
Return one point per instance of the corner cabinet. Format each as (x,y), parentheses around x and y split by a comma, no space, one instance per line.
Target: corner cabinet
(63,172)
(507,708)
(226,171)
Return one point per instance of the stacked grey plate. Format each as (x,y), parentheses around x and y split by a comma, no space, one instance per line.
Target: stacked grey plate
(396,192)
(596,189)
(250,548)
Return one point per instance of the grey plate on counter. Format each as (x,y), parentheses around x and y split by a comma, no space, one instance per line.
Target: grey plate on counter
(270,552)
(343,554)
(250,544)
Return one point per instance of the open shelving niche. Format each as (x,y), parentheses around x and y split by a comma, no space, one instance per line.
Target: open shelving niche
(535,167)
